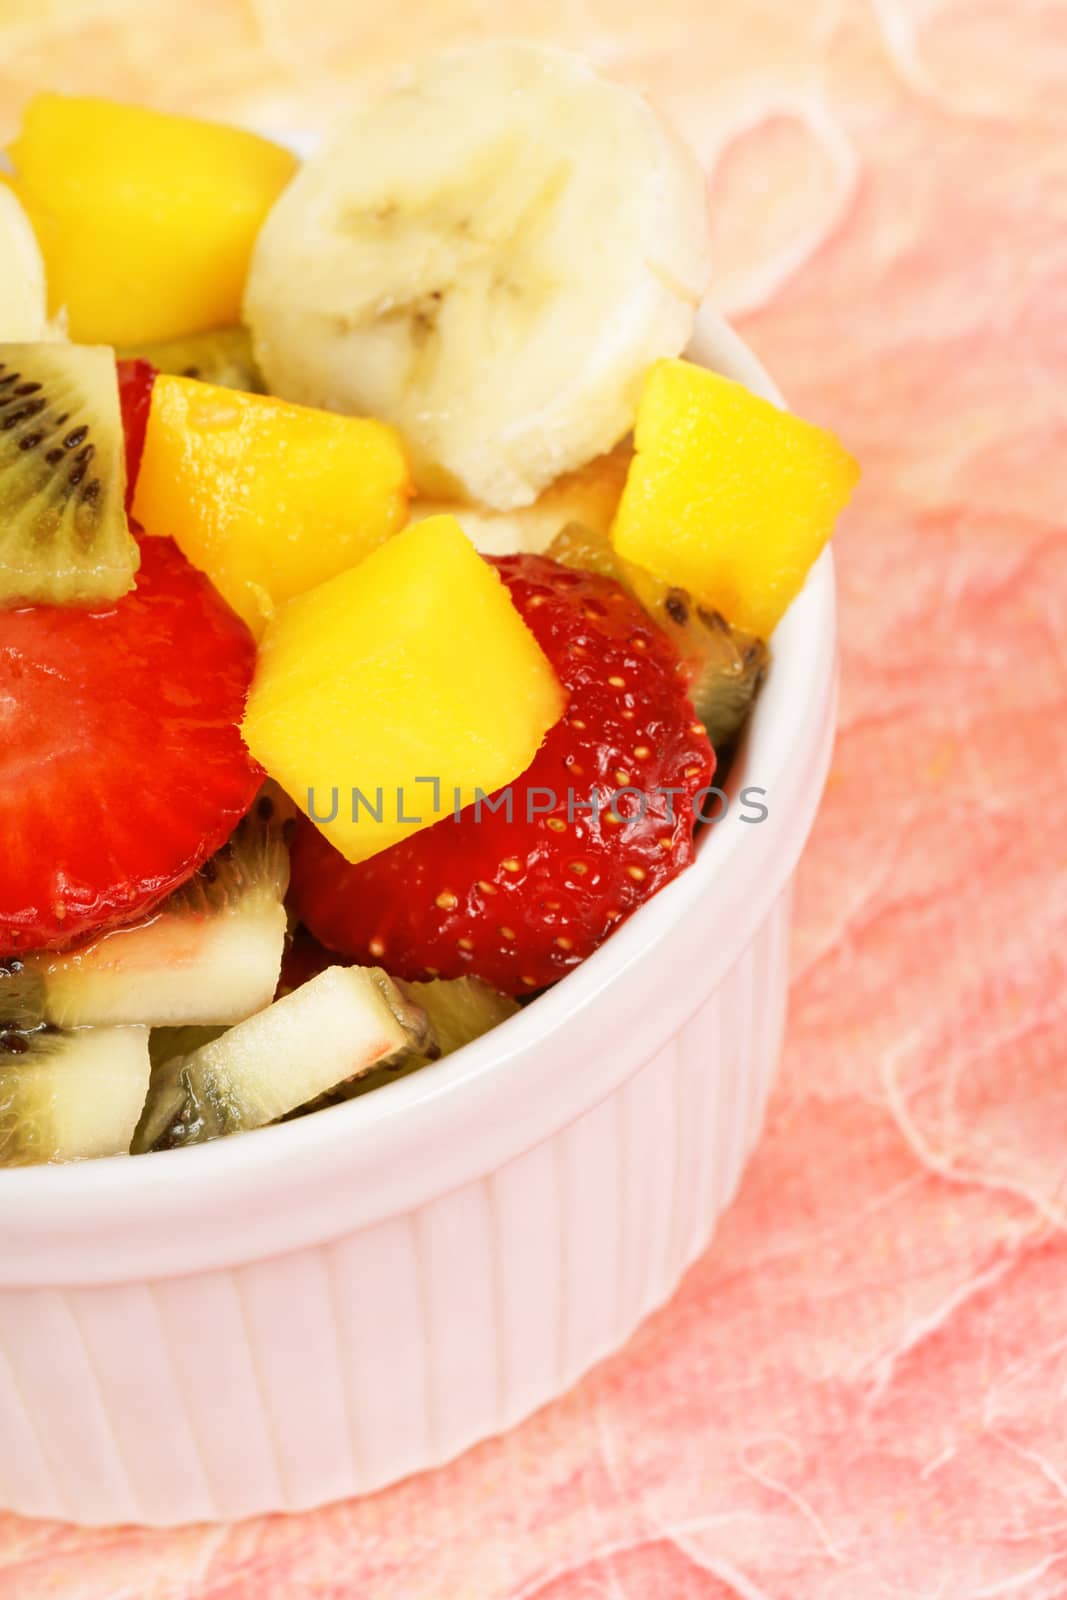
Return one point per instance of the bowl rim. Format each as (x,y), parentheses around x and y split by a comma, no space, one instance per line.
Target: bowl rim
(45,1205)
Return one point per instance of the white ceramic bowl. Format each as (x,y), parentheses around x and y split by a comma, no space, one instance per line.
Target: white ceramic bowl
(316,1309)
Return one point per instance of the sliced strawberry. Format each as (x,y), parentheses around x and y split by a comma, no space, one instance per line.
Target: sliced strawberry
(121,764)
(519,902)
(135,396)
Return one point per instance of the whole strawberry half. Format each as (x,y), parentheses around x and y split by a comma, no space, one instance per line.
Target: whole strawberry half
(521,901)
(122,766)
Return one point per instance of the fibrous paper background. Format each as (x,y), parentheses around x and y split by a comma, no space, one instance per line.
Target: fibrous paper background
(860,1392)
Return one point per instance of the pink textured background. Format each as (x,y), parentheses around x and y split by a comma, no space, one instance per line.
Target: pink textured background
(861,1390)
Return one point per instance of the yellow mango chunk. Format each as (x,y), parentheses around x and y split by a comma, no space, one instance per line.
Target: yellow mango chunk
(146,220)
(411,679)
(267,498)
(728,496)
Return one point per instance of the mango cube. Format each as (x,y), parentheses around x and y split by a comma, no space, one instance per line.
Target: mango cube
(146,220)
(400,691)
(267,498)
(728,496)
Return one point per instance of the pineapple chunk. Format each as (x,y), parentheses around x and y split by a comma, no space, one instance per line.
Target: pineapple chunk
(146,220)
(728,496)
(412,679)
(267,498)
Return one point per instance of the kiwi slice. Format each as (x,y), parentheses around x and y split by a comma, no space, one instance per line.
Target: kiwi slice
(211,953)
(334,1028)
(223,356)
(166,1043)
(460,1009)
(69,1096)
(64,539)
(726,665)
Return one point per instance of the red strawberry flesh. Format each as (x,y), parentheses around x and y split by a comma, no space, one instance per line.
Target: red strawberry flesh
(135,397)
(121,762)
(521,902)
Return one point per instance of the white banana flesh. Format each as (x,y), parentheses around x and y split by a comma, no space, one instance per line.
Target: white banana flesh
(23,298)
(589,496)
(489,257)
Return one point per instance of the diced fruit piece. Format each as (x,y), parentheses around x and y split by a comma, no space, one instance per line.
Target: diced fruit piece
(488,255)
(520,894)
(589,496)
(146,220)
(121,762)
(23,297)
(69,1096)
(166,1043)
(21,997)
(411,678)
(460,1009)
(457,1011)
(341,1024)
(63,533)
(725,665)
(211,953)
(268,499)
(728,497)
(221,356)
(135,397)
(377,1078)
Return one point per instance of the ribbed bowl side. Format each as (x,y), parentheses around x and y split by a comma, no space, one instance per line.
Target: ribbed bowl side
(336,1369)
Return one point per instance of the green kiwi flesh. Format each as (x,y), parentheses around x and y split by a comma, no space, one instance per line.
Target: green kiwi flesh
(726,665)
(223,356)
(166,1043)
(64,539)
(70,1096)
(339,1025)
(460,1009)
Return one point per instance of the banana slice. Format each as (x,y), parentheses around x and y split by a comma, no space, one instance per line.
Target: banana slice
(589,496)
(488,257)
(23,300)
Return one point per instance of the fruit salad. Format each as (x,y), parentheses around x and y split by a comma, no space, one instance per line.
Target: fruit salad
(381,589)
